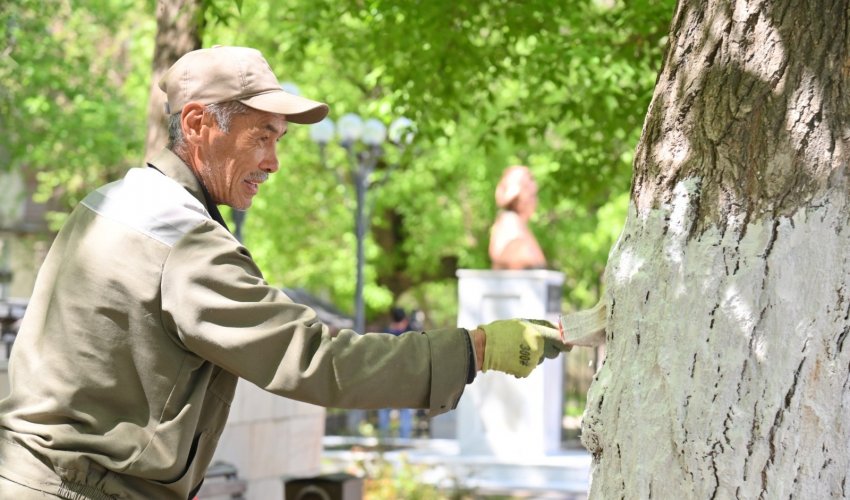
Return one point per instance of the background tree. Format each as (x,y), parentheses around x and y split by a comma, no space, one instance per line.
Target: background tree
(69,100)
(558,86)
(489,83)
(728,288)
(179,25)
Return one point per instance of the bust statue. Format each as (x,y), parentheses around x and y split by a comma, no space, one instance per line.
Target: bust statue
(512,246)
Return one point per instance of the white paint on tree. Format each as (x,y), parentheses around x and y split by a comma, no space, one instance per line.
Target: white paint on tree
(726,373)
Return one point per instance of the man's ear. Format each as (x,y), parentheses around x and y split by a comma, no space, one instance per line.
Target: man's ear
(192,121)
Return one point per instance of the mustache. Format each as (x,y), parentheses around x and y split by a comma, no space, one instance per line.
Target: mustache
(258,177)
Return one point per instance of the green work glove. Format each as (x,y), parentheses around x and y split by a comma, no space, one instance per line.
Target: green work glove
(517,346)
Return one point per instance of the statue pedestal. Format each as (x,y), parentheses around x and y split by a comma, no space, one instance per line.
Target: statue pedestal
(499,414)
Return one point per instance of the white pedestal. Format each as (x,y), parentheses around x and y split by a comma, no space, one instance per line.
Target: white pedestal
(498,414)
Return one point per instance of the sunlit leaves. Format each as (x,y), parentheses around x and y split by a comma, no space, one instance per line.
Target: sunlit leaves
(64,113)
(560,86)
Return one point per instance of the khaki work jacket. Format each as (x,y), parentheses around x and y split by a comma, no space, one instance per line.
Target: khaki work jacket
(145,313)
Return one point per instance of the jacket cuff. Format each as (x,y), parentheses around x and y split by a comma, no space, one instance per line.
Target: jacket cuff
(451,355)
(470,373)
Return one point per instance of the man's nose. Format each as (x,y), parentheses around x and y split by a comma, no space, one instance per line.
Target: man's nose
(270,163)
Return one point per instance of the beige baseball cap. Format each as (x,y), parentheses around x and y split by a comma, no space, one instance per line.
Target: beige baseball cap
(221,74)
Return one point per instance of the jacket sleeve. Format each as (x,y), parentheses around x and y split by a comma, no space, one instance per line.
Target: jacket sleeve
(217,305)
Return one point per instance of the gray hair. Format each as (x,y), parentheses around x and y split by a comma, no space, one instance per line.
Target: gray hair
(223,112)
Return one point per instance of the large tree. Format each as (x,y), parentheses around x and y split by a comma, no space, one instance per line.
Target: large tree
(68,112)
(728,366)
(178,30)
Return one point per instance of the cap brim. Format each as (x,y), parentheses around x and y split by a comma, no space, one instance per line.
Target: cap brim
(297,109)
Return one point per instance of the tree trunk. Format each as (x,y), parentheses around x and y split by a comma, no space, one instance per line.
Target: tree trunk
(178,30)
(728,365)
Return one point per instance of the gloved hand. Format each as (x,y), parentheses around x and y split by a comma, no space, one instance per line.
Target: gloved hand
(517,346)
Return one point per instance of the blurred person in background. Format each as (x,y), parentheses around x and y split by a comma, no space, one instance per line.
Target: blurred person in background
(399,324)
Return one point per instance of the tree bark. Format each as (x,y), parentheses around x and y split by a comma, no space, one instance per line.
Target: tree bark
(178,30)
(728,365)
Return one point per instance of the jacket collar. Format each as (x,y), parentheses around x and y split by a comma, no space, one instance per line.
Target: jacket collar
(172,166)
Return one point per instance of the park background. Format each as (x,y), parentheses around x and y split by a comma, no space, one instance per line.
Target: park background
(562,87)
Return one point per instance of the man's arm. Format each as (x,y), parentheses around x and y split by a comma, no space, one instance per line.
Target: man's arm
(218,307)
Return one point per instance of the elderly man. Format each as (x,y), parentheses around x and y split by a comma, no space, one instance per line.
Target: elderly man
(147,311)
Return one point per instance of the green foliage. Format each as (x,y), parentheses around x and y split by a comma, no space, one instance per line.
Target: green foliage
(70,107)
(559,86)
(385,480)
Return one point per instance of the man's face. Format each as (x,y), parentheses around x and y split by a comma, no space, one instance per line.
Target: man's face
(234,164)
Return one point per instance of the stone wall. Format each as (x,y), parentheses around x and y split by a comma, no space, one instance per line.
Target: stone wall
(269,438)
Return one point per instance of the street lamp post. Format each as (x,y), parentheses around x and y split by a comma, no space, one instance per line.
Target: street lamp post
(11,215)
(351,130)
(238,217)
